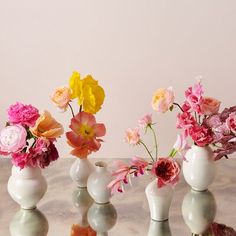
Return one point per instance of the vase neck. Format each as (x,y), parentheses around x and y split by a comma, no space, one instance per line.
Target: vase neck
(101,166)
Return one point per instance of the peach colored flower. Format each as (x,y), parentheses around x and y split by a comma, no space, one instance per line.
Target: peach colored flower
(46,126)
(163,99)
(84,137)
(132,136)
(210,106)
(61,97)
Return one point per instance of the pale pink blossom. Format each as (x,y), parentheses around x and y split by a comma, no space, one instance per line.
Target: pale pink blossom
(231,122)
(163,99)
(181,145)
(132,136)
(210,106)
(12,138)
(115,186)
(140,164)
(145,121)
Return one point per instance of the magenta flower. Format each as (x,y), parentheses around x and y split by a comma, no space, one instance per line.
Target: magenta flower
(20,159)
(166,170)
(145,121)
(22,114)
(132,136)
(185,121)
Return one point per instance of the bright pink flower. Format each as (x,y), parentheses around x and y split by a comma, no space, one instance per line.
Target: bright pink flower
(185,121)
(84,137)
(210,106)
(20,159)
(132,136)
(166,170)
(231,122)
(12,138)
(22,114)
(201,135)
(145,121)
(140,164)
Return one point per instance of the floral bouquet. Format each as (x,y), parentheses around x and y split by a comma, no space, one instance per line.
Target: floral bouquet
(85,133)
(29,137)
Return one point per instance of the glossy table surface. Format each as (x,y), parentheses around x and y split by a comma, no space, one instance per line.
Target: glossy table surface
(62,206)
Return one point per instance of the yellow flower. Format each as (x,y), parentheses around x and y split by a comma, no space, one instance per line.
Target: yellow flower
(89,93)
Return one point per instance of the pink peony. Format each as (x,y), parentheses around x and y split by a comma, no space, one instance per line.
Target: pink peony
(22,114)
(12,139)
(231,122)
(166,170)
(132,136)
(145,121)
(210,106)
(201,135)
(185,121)
(163,99)
(20,159)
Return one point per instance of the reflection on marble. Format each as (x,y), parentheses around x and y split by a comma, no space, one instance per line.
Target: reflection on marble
(82,201)
(159,228)
(199,210)
(29,223)
(102,217)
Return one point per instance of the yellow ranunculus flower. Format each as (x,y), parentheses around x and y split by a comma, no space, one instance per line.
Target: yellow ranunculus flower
(89,93)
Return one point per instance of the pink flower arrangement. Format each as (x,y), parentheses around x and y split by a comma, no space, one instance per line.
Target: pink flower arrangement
(201,120)
(165,169)
(18,140)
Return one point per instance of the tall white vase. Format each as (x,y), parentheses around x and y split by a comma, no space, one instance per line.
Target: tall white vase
(97,183)
(27,186)
(159,200)
(80,171)
(157,228)
(199,168)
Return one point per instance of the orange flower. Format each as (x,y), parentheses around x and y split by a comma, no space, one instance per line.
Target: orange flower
(46,126)
(77,230)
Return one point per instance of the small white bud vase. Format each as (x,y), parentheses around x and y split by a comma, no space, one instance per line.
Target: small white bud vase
(157,228)
(159,200)
(97,183)
(27,186)
(199,168)
(80,171)
(198,210)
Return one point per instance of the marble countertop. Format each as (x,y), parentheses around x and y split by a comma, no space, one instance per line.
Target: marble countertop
(59,207)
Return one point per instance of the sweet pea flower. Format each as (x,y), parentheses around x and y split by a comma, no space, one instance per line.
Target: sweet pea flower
(231,122)
(22,114)
(210,106)
(185,121)
(166,170)
(140,164)
(145,121)
(46,126)
(61,97)
(163,99)
(12,139)
(132,136)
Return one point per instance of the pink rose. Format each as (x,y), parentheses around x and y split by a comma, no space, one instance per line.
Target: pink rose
(231,122)
(185,121)
(132,136)
(22,114)
(145,121)
(166,170)
(12,138)
(163,99)
(210,106)
(201,135)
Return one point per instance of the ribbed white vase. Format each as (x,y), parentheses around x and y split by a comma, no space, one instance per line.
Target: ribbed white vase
(159,200)
(27,186)
(80,171)
(97,183)
(199,168)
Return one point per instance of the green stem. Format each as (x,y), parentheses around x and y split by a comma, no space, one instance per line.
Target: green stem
(71,110)
(149,153)
(155,138)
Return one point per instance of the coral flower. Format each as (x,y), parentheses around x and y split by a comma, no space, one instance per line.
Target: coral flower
(46,126)
(84,137)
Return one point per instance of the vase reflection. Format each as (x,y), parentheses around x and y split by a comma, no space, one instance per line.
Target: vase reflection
(199,210)
(29,223)
(102,218)
(159,228)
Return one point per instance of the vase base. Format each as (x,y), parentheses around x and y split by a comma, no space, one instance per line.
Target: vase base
(199,190)
(29,208)
(160,220)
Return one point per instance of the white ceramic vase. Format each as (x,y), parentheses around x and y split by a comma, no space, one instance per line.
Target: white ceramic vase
(29,223)
(198,210)
(159,200)
(80,171)
(27,186)
(199,168)
(157,228)
(97,183)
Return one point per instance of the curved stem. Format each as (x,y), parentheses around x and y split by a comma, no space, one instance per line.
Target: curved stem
(149,153)
(155,138)
(176,104)
(71,110)
(80,108)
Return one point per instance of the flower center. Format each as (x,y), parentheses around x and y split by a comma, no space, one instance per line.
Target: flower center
(161,170)
(86,131)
